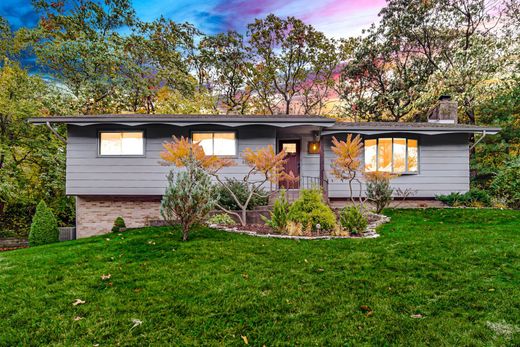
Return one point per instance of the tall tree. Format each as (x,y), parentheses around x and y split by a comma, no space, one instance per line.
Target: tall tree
(227,67)
(290,60)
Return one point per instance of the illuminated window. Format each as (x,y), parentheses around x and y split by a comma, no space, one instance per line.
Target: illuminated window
(216,143)
(121,143)
(396,155)
(290,148)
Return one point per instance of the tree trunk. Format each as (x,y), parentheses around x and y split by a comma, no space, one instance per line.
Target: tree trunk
(185,232)
(243,220)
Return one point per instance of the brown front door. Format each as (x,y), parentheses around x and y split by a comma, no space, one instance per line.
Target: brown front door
(292,148)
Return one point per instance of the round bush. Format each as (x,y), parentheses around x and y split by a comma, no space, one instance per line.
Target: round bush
(119,224)
(311,209)
(352,220)
(44,227)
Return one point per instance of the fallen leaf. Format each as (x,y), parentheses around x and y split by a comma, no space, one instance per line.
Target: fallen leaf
(78,302)
(105,277)
(320,270)
(245,276)
(417,315)
(245,339)
(136,322)
(77,318)
(365,308)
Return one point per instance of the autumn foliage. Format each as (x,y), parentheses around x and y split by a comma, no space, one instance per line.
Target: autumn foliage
(265,166)
(178,152)
(347,154)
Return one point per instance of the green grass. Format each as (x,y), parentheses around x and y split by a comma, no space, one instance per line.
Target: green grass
(458,268)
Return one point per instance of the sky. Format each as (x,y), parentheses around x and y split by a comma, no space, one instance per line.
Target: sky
(336,18)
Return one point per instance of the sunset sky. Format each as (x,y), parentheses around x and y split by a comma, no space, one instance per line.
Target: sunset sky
(337,18)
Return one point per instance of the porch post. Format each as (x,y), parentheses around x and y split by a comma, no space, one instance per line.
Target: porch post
(322,168)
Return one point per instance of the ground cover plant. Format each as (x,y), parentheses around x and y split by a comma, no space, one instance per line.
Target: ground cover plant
(434,277)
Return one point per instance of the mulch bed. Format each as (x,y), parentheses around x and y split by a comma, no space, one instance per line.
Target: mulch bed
(262,230)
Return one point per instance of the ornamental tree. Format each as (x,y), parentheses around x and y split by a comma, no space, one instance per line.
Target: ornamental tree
(266,166)
(189,197)
(347,162)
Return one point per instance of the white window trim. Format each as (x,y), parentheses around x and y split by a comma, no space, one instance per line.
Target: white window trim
(121,155)
(406,172)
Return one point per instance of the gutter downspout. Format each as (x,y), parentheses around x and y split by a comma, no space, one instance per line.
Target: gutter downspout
(479,139)
(55,132)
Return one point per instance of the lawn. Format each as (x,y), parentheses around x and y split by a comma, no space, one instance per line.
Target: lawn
(434,277)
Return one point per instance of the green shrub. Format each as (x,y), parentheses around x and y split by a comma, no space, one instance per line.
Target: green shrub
(473,198)
(189,197)
(506,185)
(119,224)
(378,189)
(352,220)
(241,190)
(44,228)
(278,220)
(311,209)
(221,219)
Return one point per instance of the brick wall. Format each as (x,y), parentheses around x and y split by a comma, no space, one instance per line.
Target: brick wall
(96,215)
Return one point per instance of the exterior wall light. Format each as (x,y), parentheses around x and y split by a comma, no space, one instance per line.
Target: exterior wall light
(313,147)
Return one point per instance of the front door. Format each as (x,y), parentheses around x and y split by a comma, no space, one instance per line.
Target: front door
(292,164)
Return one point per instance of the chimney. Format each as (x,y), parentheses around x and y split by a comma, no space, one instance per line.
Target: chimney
(444,112)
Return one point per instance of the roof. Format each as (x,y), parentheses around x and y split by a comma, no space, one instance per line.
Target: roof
(330,125)
(186,120)
(369,128)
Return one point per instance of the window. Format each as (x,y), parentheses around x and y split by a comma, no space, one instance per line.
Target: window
(121,143)
(396,155)
(216,143)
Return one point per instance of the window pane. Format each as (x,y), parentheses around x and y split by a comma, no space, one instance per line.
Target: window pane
(132,143)
(399,155)
(110,144)
(385,155)
(205,140)
(225,143)
(413,156)
(370,155)
(289,147)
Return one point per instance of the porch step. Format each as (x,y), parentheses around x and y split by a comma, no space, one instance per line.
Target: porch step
(291,195)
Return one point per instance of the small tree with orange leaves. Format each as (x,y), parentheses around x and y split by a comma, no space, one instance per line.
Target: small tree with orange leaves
(347,162)
(265,166)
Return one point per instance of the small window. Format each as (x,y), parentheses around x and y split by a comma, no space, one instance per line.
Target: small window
(216,143)
(395,155)
(290,148)
(121,143)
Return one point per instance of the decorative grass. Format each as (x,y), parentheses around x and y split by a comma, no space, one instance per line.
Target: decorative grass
(435,277)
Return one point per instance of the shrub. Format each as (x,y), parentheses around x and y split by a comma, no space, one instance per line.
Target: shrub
(473,198)
(378,189)
(506,185)
(221,219)
(189,197)
(241,190)
(119,224)
(44,228)
(294,228)
(311,209)
(352,220)
(278,220)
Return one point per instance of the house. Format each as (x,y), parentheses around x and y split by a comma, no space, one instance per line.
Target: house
(114,168)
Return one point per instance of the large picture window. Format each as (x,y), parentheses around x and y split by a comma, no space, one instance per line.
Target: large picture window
(114,143)
(216,143)
(391,154)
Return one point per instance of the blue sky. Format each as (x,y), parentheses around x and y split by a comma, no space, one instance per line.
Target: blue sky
(337,18)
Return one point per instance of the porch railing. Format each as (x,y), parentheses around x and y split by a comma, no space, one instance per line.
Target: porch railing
(307,182)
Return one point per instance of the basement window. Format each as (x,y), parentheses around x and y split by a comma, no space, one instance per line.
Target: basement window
(121,143)
(216,143)
(392,154)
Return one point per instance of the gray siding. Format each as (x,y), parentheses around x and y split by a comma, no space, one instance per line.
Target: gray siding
(89,174)
(443,161)
(443,167)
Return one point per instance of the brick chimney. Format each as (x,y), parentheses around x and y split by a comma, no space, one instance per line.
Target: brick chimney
(444,112)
